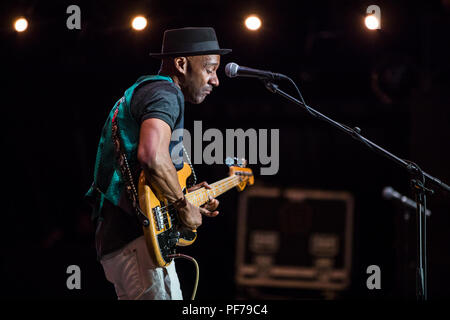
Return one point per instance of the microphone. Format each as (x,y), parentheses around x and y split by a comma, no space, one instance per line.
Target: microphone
(234,70)
(389,193)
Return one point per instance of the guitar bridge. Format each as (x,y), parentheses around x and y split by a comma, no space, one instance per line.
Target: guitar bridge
(158,218)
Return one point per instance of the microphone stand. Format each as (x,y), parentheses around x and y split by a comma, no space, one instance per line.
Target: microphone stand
(407,207)
(417,183)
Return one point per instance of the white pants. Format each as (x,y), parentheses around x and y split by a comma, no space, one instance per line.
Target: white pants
(135,276)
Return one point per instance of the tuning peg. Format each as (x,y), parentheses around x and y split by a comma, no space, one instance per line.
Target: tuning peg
(229,161)
(242,162)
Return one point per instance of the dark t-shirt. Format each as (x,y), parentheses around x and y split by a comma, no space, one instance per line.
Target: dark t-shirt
(157,99)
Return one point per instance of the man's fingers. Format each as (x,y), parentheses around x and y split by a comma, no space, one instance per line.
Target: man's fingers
(202,184)
(206,185)
(212,204)
(208,213)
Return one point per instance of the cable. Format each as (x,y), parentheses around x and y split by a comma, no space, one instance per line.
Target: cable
(298,91)
(301,97)
(355,132)
(197,270)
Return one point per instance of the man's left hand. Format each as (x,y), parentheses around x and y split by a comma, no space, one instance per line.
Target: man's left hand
(209,208)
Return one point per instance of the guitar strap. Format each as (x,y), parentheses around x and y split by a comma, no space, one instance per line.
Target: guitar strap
(125,168)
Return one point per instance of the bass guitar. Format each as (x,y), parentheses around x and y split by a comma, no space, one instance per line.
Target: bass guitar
(162,232)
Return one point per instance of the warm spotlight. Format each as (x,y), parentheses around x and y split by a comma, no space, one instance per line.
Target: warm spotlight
(21,24)
(372,22)
(253,23)
(139,23)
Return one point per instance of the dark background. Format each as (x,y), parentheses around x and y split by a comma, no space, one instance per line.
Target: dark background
(59,84)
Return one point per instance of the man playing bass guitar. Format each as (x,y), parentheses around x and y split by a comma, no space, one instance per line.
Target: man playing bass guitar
(144,119)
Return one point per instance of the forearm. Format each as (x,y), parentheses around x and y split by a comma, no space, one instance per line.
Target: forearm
(162,175)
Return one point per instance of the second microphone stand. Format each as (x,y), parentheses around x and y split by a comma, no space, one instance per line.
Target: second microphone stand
(417,183)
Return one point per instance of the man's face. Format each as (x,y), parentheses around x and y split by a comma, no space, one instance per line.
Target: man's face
(200,77)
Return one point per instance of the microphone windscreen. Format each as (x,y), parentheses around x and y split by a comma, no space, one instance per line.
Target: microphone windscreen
(231,69)
(388,192)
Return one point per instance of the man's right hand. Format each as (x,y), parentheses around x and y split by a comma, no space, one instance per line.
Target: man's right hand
(190,216)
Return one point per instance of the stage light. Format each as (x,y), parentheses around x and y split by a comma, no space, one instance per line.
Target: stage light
(21,24)
(139,23)
(372,22)
(253,23)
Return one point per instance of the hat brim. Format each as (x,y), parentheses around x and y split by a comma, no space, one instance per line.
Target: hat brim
(190,53)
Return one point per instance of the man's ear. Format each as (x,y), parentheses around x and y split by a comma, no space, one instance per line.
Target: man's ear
(181,64)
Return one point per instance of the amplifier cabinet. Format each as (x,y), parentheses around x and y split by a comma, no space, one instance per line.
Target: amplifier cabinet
(294,238)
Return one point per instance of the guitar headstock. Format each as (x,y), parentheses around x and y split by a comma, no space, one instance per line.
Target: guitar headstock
(238,168)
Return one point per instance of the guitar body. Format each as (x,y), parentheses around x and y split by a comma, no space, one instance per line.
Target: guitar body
(161,233)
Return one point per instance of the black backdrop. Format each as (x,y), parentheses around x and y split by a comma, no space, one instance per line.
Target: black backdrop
(59,84)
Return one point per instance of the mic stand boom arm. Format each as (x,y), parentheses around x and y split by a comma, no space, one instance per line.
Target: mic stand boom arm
(417,180)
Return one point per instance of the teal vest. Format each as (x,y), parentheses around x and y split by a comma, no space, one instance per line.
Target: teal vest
(108,182)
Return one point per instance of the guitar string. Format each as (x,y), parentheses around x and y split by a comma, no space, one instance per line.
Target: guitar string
(230,183)
(223,184)
(227,182)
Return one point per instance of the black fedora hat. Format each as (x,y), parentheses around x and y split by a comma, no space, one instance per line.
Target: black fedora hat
(189,42)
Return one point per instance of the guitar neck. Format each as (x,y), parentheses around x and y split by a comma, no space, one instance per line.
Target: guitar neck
(200,196)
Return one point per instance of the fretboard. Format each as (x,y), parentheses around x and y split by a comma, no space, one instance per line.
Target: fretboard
(200,196)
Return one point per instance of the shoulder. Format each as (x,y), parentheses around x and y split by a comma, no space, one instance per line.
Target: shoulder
(158,89)
(157,99)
